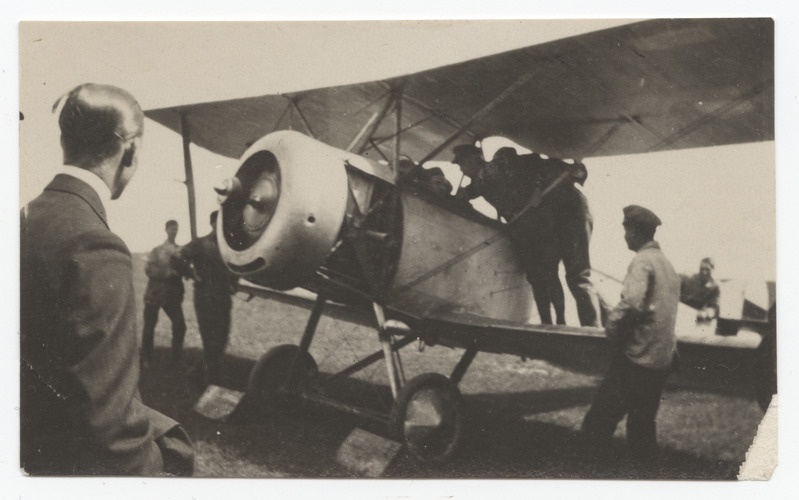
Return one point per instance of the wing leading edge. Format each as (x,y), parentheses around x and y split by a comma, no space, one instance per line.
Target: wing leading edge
(649,86)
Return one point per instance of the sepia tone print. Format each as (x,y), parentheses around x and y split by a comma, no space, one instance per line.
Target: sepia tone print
(462,249)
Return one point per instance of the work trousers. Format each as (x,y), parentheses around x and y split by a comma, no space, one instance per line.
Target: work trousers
(555,231)
(574,227)
(213,319)
(172,308)
(533,235)
(632,390)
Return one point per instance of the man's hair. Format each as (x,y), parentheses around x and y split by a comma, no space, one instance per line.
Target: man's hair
(708,261)
(96,120)
(171,222)
(505,153)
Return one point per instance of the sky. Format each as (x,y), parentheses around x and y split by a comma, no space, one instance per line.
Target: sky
(736,184)
(705,197)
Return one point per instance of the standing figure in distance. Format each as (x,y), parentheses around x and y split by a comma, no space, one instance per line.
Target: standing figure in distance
(213,285)
(641,328)
(701,291)
(80,409)
(164,291)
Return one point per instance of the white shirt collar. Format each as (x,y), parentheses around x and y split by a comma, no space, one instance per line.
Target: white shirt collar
(91,179)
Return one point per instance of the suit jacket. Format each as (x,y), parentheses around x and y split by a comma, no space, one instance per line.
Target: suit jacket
(80,407)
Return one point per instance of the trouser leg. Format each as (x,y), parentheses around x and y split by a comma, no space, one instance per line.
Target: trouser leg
(645,389)
(174,310)
(609,406)
(584,296)
(148,332)
(556,296)
(547,293)
(577,227)
(541,297)
(538,255)
(213,317)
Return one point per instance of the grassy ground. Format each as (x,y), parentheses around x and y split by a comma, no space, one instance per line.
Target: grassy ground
(524,416)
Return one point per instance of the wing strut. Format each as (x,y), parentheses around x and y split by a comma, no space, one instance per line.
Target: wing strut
(302,117)
(371,127)
(282,115)
(389,353)
(482,112)
(705,119)
(185,132)
(397,129)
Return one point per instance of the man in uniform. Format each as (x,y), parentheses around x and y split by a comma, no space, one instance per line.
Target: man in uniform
(701,292)
(641,328)
(431,179)
(80,410)
(557,227)
(213,285)
(164,291)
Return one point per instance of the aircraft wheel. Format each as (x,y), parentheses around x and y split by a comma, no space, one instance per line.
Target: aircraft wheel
(267,387)
(427,417)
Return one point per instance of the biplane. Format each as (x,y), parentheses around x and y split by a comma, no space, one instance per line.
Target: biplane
(318,201)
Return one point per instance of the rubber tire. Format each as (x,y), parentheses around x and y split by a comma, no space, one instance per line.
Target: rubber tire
(446,392)
(266,389)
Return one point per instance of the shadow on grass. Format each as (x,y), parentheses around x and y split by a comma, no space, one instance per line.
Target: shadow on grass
(499,441)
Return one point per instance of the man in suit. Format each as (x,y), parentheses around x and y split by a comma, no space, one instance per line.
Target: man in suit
(80,410)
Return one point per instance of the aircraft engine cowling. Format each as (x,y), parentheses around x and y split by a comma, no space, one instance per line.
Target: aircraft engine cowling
(281,214)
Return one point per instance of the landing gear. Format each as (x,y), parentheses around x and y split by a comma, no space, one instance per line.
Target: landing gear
(284,370)
(427,417)
(427,412)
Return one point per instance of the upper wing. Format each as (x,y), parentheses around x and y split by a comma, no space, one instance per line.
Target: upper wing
(648,86)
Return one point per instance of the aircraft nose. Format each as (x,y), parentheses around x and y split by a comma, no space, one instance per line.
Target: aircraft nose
(261,203)
(283,211)
(228,189)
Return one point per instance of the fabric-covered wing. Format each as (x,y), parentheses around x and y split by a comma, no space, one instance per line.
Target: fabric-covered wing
(648,86)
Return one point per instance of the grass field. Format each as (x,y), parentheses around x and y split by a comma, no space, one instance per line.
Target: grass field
(524,416)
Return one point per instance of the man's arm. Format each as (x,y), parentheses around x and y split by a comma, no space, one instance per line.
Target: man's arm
(632,306)
(711,309)
(151,266)
(183,259)
(469,192)
(102,360)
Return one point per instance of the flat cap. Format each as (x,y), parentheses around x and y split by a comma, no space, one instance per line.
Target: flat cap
(637,215)
(466,150)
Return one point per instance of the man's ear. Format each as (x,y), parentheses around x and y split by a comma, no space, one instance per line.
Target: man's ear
(127,156)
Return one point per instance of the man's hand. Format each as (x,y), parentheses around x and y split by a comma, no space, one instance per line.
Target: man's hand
(706,314)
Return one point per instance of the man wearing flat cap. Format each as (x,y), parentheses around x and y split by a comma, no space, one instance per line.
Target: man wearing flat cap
(80,410)
(555,227)
(701,291)
(641,328)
